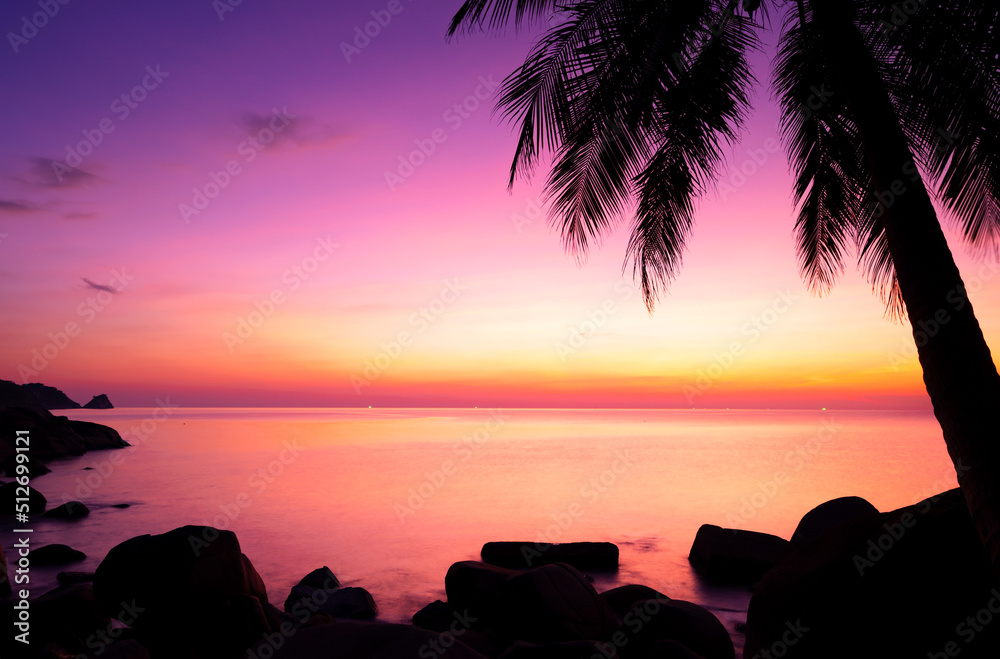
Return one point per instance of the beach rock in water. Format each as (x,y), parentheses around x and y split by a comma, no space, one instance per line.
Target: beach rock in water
(734,556)
(670,650)
(351,602)
(477,588)
(357,640)
(827,515)
(322,577)
(555,603)
(183,579)
(71,578)
(33,468)
(525,555)
(9,495)
(914,582)
(652,621)
(55,554)
(68,510)
(99,402)
(623,598)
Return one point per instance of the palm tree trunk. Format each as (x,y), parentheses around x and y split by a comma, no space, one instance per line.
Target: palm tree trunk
(959,372)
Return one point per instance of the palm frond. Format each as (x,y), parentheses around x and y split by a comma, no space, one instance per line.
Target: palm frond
(494,14)
(943,73)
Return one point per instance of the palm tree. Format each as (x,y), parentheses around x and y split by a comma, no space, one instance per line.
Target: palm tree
(635,98)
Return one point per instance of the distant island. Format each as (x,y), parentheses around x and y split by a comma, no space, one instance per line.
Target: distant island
(39,396)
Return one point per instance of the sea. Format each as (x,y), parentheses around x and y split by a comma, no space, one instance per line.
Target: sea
(390,498)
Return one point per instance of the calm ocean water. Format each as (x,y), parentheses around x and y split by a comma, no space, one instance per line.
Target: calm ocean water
(389,498)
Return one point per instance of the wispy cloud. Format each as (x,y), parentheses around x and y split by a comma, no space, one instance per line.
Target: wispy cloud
(48,173)
(16,207)
(99,287)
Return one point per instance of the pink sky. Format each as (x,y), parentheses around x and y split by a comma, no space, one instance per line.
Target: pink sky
(436,288)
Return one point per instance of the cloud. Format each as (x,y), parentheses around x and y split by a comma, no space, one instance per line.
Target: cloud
(79,216)
(16,207)
(302,131)
(48,173)
(99,287)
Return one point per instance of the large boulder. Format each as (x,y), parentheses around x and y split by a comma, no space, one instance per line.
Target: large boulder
(734,556)
(623,598)
(555,603)
(55,554)
(52,436)
(477,588)
(67,620)
(653,622)
(565,650)
(69,511)
(525,555)
(354,640)
(827,515)
(184,579)
(9,493)
(914,582)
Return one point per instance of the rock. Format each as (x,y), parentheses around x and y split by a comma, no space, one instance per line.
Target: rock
(734,556)
(352,602)
(827,515)
(524,555)
(125,649)
(121,505)
(9,494)
(623,598)
(50,398)
(670,650)
(99,402)
(322,577)
(686,623)
(181,579)
(67,616)
(71,578)
(33,468)
(566,650)
(900,584)
(54,554)
(52,436)
(68,510)
(477,588)
(437,616)
(366,640)
(555,603)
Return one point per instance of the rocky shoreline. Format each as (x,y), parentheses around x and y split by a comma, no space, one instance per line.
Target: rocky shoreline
(851,581)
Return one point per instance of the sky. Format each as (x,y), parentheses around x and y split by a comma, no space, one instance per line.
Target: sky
(260,204)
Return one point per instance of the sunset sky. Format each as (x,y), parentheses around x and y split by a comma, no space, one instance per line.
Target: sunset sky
(237,174)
